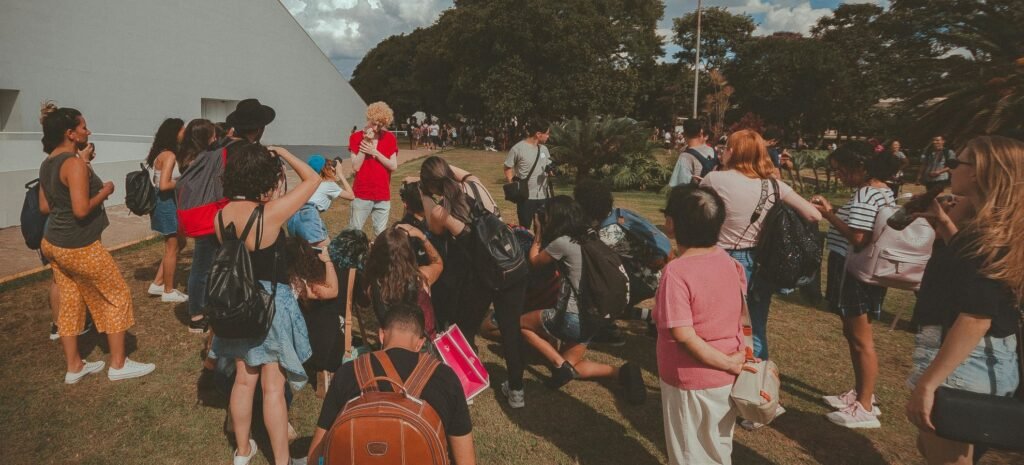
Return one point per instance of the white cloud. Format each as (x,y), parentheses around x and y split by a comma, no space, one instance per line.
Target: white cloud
(346,29)
(779,16)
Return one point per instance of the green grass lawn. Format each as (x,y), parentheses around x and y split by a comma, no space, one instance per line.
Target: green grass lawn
(164,418)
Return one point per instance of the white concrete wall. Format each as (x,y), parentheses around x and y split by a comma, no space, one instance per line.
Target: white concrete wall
(128,64)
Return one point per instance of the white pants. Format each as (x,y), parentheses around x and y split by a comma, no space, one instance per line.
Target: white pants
(362,209)
(698,425)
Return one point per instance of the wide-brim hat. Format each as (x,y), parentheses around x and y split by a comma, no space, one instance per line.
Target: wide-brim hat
(249,114)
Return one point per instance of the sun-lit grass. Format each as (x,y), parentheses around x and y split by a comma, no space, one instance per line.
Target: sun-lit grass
(164,419)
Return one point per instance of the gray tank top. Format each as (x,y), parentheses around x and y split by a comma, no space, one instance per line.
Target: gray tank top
(62,229)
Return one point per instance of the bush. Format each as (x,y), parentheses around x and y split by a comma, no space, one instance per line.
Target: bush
(616,150)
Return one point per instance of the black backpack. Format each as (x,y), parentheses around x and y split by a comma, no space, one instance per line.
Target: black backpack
(237,306)
(604,286)
(496,255)
(33,221)
(789,250)
(139,192)
(706,165)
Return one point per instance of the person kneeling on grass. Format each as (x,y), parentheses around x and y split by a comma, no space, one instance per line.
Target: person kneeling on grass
(564,229)
(401,334)
(700,346)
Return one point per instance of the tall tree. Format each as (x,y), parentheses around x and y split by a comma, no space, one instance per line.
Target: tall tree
(722,32)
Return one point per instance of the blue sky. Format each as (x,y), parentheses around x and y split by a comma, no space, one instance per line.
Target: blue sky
(346,29)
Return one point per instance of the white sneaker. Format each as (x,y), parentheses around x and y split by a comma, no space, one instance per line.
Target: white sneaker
(89,368)
(855,416)
(845,399)
(516,397)
(156,289)
(174,296)
(750,425)
(244,459)
(131,369)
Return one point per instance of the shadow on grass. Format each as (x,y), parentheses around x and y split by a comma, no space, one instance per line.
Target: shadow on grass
(94,339)
(576,427)
(827,442)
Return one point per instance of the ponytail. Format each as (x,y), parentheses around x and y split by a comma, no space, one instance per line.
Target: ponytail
(56,122)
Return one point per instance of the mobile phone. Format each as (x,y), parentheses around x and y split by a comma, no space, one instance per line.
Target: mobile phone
(318,250)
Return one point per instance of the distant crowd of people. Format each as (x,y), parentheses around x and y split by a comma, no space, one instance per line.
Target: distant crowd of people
(271,286)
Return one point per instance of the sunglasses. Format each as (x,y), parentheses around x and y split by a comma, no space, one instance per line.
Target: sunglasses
(953,163)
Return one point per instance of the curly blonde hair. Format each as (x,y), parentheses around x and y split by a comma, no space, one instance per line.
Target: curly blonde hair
(380,113)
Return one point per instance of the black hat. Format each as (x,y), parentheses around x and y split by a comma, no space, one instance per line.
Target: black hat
(249,114)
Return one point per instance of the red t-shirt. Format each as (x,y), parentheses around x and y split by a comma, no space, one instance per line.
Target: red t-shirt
(373,180)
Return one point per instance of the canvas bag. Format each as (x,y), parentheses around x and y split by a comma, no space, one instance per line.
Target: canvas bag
(755,393)
(380,427)
(895,258)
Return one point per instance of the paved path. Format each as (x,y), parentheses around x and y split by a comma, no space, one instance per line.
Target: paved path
(125,230)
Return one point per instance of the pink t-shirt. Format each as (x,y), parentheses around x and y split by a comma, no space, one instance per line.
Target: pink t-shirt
(704,292)
(741,195)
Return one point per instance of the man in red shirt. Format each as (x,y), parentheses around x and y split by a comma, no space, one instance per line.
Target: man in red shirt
(374,157)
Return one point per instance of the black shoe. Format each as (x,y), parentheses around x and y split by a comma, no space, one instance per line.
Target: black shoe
(609,336)
(561,376)
(633,381)
(199,326)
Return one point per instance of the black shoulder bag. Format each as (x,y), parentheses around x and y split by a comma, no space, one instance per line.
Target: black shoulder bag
(984,419)
(519,189)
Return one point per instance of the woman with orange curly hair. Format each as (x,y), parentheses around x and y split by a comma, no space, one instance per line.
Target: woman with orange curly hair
(374,158)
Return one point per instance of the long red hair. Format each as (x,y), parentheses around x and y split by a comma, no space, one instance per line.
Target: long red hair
(749,155)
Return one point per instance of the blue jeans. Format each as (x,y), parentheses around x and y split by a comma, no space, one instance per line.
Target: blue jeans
(362,209)
(759,299)
(203,252)
(307,225)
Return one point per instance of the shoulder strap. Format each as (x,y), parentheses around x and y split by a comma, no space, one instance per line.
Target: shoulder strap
(389,368)
(748,330)
(477,201)
(256,212)
(693,152)
(758,211)
(348,311)
(535,160)
(364,373)
(420,375)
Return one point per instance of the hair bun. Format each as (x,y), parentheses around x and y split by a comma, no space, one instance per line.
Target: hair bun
(47,108)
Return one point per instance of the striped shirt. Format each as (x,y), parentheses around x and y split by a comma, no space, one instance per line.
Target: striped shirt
(859,213)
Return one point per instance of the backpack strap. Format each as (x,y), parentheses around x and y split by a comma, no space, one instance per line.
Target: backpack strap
(364,373)
(389,368)
(420,375)
(256,213)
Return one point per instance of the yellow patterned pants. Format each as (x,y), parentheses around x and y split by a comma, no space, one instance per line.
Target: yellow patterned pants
(88,276)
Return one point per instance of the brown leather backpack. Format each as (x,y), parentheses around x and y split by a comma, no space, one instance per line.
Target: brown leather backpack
(394,428)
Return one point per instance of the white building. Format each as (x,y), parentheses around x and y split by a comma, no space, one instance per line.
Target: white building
(129,64)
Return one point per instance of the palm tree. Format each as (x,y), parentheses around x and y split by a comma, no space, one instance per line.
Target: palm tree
(984,92)
(595,146)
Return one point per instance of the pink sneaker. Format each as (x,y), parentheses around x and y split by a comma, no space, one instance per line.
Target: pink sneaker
(845,399)
(855,416)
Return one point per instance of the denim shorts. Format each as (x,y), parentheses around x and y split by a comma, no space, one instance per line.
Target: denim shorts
(568,331)
(307,224)
(990,369)
(164,218)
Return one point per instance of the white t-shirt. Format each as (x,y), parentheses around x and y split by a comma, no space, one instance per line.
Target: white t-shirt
(326,192)
(741,195)
(433,128)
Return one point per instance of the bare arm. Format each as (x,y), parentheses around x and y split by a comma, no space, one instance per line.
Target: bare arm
(280,209)
(957,345)
(329,288)
(357,160)
(704,353)
(346,190)
(509,174)
(44,206)
(315,446)
(463,450)
(75,174)
(166,163)
(432,271)
(370,148)
(858,238)
(803,208)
